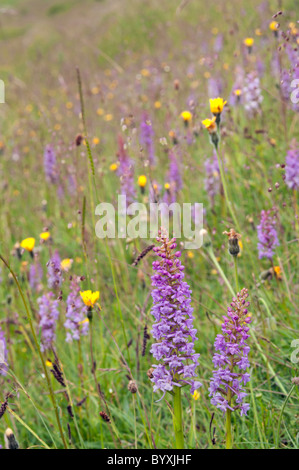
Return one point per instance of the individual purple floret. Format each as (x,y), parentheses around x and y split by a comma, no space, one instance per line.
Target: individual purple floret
(212,180)
(54,271)
(76,311)
(231,360)
(147,139)
(49,313)
(267,234)
(173,328)
(126,173)
(35,276)
(50,165)
(292,166)
(3,353)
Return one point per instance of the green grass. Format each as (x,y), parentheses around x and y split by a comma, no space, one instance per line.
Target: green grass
(114,44)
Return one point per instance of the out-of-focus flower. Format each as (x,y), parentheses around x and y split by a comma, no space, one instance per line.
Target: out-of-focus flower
(227,385)
(45,236)
(49,313)
(35,276)
(54,271)
(173,328)
(142,181)
(292,166)
(248,42)
(212,180)
(28,244)
(126,172)
(186,116)
(3,353)
(147,139)
(252,94)
(267,234)
(50,165)
(210,124)
(66,264)
(113,167)
(274,26)
(196,395)
(89,297)
(76,313)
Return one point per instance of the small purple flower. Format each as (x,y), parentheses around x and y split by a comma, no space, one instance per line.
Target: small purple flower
(212,180)
(54,271)
(173,328)
(174,179)
(231,360)
(35,276)
(3,353)
(252,94)
(267,234)
(76,312)
(126,173)
(147,139)
(292,166)
(50,165)
(49,313)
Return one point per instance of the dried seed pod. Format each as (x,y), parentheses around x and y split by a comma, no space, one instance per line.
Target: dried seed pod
(132,387)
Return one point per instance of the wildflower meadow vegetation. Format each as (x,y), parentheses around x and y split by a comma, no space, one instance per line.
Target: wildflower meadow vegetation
(149,342)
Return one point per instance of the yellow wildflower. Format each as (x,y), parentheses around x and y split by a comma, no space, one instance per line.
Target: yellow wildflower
(196,395)
(157,104)
(167,186)
(45,236)
(113,167)
(248,42)
(89,297)
(217,105)
(273,26)
(210,124)
(142,181)
(95,140)
(49,363)
(28,244)
(186,115)
(66,264)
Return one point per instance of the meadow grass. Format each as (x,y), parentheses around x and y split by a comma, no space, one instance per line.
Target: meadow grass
(129,54)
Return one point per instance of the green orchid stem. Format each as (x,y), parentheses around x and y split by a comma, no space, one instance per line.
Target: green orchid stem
(228,427)
(236,273)
(177,418)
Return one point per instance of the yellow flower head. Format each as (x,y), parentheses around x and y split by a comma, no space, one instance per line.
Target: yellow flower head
(196,395)
(157,104)
(217,105)
(89,297)
(66,264)
(142,181)
(186,115)
(273,26)
(210,124)
(44,236)
(167,186)
(49,363)
(277,272)
(95,141)
(28,244)
(238,92)
(248,42)
(113,166)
